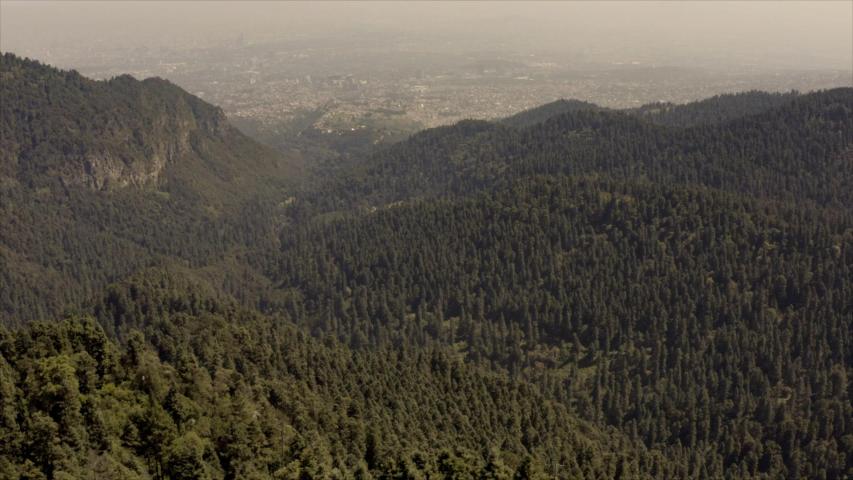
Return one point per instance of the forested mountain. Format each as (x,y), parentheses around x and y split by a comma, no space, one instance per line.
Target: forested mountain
(577,293)
(60,127)
(99,179)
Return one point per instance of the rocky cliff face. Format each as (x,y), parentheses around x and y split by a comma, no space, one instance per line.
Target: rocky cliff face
(143,164)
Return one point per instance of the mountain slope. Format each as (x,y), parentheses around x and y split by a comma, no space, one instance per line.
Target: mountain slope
(99,179)
(681,315)
(205,389)
(58,126)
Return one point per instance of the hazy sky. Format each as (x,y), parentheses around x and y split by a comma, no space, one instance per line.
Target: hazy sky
(811,34)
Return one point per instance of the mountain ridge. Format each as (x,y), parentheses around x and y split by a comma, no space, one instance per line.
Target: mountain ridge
(116,133)
(810,133)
